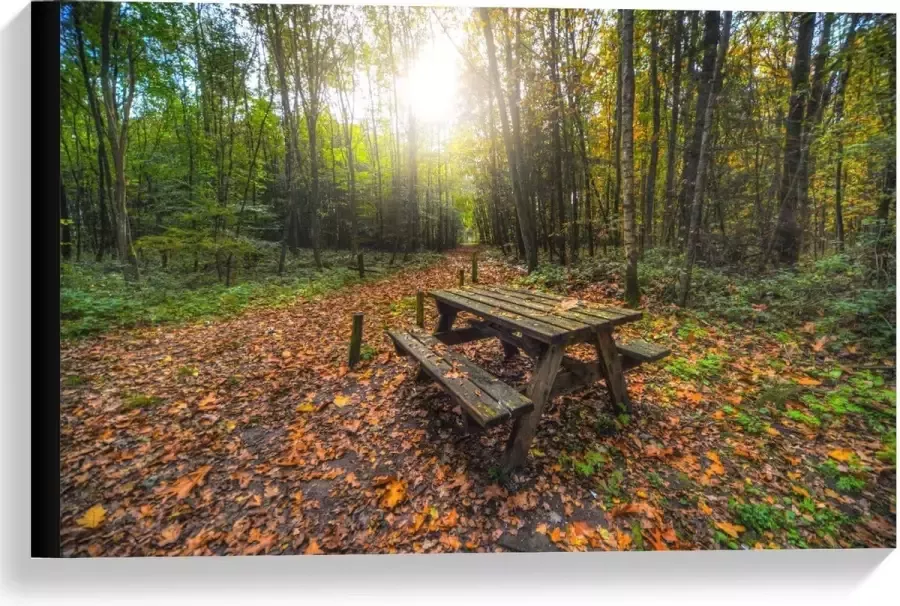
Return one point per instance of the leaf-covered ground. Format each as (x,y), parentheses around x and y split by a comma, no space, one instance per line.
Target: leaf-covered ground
(250,436)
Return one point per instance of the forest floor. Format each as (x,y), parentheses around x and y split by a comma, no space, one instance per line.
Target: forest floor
(249,435)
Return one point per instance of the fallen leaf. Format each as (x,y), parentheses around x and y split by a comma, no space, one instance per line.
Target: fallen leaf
(800,491)
(313,548)
(170,534)
(704,507)
(623,540)
(341,401)
(307,407)
(184,485)
(808,382)
(393,494)
(450,541)
(541,528)
(732,530)
(556,535)
(841,454)
(93,517)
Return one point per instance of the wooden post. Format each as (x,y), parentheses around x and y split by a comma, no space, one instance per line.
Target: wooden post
(420,309)
(356,337)
(475,268)
(361,266)
(462,277)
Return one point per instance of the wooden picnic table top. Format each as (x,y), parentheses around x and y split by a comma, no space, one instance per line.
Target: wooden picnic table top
(548,318)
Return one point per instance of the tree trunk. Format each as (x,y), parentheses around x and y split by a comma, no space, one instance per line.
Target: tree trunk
(65,230)
(632,292)
(654,142)
(692,152)
(556,120)
(789,230)
(703,165)
(521,203)
(815,108)
(668,215)
(117,133)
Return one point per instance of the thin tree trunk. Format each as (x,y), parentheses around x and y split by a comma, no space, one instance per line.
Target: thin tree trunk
(789,230)
(668,215)
(632,291)
(654,142)
(521,203)
(702,165)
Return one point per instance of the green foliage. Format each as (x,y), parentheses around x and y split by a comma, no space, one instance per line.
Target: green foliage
(95,297)
(140,401)
(802,417)
(836,293)
(73,381)
(759,516)
(612,484)
(705,369)
(367,352)
(850,484)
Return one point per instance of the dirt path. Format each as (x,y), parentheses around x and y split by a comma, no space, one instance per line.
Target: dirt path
(250,436)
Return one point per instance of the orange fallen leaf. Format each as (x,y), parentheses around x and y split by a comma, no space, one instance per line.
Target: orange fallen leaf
(704,507)
(341,401)
(450,541)
(313,548)
(623,540)
(393,494)
(556,535)
(800,491)
(170,534)
(93,517)
(541,528)
(207,402)
(733,530)
(841,454)
(808,382)
(185,484)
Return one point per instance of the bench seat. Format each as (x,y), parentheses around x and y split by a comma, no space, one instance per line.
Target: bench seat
(641,351)
(483,397)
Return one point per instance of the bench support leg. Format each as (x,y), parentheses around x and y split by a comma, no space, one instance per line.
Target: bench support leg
(539,389)
(509,350)
(446,318)
(611,370)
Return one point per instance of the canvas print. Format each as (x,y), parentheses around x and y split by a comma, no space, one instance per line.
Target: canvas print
(412,279)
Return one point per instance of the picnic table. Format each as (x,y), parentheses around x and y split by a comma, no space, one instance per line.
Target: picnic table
(541,325)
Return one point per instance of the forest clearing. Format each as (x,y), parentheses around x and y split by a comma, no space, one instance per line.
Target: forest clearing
(239,181)
(251,435)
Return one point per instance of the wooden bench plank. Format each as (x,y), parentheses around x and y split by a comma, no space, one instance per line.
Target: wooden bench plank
(505,395)
(521,309)
(614,315)
(544,307)
(642,351)
(485,398)
(546,333)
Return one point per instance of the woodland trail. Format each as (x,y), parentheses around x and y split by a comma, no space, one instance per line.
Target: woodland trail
(250,436)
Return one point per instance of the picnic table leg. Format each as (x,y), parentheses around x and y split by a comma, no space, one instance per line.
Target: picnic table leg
(611,368)
(524,427)
(509,350)
(446,318)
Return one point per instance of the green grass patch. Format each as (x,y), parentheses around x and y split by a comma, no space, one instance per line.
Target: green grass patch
(135,401)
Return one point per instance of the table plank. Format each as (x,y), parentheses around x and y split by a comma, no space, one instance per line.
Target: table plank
(523,310)
(615,315)
(544,307)
(541,331)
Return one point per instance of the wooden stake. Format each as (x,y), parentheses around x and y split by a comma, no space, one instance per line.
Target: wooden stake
(462,277)
(420,309)
(361,266)
(475,268)
(356,337)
